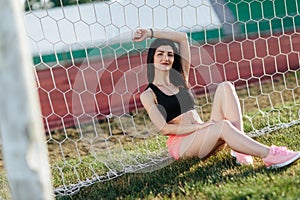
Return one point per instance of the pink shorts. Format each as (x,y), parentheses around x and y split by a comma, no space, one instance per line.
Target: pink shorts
(173,144)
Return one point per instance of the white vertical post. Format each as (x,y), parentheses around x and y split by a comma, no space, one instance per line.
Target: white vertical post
(23,139)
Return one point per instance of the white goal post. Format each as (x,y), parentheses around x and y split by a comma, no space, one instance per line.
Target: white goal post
(23,139)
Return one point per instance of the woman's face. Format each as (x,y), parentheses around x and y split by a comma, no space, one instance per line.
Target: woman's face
(163,58)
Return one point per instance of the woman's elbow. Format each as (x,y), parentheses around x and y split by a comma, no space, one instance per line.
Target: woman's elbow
(165,130)
(184,38)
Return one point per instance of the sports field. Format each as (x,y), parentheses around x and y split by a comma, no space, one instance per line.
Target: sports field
(273,61)
(249,61)
(97,130)
(218,177)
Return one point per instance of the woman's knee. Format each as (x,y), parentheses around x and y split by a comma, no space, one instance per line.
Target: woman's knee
(224,125)
(226,86)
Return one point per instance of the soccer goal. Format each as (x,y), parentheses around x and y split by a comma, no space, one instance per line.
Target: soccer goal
(22,134)
(89,76)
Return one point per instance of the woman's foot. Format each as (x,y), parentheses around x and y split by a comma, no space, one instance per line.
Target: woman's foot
(280,157)
(242,159)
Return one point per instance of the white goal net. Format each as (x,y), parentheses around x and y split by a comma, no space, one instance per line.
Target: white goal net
(90,74)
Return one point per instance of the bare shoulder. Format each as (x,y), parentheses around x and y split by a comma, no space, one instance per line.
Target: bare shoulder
(148,93)
(147,96)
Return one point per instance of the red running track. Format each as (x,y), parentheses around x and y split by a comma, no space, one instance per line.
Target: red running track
(96,88)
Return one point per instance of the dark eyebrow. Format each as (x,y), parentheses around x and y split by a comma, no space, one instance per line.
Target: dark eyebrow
(161,51)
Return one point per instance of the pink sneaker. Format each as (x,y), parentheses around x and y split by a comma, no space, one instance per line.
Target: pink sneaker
(242,159)
(280,157)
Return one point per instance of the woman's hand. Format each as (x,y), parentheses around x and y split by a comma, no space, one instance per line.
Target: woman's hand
(140,35)
(206,124)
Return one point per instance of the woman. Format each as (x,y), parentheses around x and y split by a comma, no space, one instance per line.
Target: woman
(170,106)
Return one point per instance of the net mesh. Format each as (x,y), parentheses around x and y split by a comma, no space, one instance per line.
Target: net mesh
(90,74)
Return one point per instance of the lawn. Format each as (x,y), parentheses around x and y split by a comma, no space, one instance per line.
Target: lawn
(217,177)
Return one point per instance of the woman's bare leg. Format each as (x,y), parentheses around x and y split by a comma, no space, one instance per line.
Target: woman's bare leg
(202,142)
(226,105)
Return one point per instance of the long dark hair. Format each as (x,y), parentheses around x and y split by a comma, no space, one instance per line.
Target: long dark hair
(176,72)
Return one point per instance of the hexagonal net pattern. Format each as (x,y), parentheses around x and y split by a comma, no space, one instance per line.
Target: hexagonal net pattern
(90,74)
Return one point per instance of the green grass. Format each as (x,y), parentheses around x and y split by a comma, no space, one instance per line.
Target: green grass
(4,188)
(217,177)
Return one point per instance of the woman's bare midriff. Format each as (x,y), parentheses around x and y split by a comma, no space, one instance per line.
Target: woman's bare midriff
(189,117)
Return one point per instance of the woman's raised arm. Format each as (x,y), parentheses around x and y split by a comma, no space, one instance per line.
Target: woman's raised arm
(178,37)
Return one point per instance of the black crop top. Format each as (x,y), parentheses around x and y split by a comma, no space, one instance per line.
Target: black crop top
(172,106)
